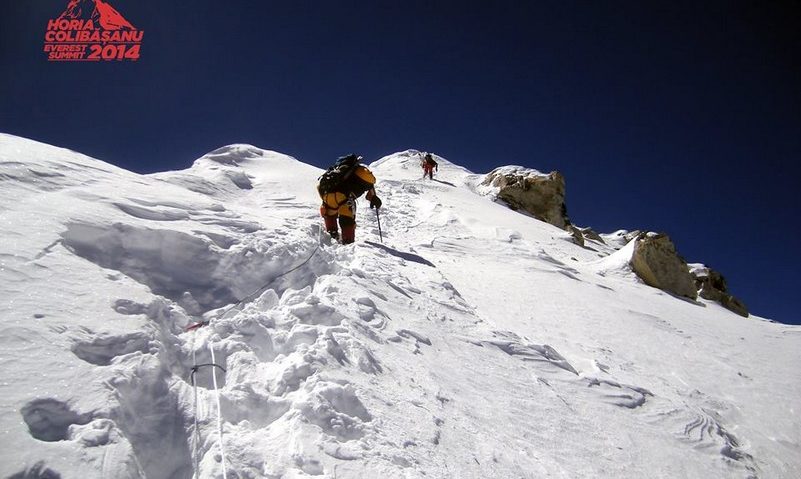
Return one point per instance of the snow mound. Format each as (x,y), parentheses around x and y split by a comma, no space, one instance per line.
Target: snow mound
(518,170)
(617,263)
(619,238)
(406,165)
(233,154)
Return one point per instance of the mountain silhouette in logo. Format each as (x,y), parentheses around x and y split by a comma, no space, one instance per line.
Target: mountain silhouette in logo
(99,12)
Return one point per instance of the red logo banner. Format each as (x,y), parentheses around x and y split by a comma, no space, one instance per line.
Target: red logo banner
(92,31)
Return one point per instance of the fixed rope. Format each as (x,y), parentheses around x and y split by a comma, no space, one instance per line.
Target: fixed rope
(219,412)
(213,365)
(195,368)
(268,283)
(196,454)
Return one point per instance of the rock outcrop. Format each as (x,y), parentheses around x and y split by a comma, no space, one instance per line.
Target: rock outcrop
(655,259)
(657,263)
(711,285)
(526,189)
(576,234)
(591,234)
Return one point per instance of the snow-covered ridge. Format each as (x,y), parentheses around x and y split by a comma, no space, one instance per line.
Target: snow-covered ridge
(474,342)
(233,154)
(406,165)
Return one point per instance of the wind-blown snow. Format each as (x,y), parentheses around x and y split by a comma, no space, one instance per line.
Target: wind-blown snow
(475,342)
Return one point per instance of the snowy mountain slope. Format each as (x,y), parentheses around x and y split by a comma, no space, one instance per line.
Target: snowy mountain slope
(474,342)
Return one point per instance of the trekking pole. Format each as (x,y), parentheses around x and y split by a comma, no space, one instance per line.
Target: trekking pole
(378,219)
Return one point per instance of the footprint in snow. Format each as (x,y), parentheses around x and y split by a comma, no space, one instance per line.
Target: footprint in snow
(336,410)
(40,470)
(50,419)
(102,349)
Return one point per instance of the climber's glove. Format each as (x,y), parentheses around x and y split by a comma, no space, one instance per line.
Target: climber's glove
(375,202)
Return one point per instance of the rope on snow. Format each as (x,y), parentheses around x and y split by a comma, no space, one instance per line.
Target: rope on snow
(219,412)
(265,285)
(213,364)
(195,368)
(197,426)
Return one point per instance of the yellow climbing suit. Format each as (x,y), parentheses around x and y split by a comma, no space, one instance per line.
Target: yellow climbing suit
(338,203)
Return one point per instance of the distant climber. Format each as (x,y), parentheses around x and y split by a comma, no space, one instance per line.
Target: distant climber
(429,164)
(339,187)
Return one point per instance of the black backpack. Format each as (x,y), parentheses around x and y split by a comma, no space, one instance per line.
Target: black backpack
(337,174)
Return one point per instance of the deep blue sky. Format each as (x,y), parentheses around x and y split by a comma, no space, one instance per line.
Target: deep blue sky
(682,117)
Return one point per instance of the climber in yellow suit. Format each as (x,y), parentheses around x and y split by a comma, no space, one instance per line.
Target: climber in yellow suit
(339,198)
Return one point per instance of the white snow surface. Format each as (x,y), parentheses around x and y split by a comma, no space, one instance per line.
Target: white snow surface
(474,342)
